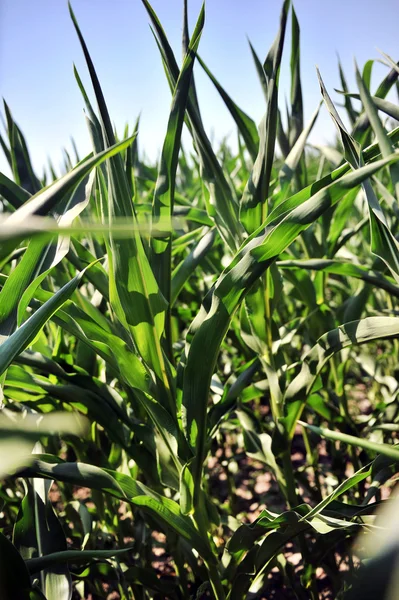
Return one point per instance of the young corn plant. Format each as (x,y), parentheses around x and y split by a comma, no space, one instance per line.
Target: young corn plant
(218,305)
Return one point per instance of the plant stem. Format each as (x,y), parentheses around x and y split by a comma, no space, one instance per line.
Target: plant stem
(203,526)
(289,479)
(214,579)
(293,501)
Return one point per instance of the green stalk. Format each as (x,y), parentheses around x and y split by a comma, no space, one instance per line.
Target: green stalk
(344,410)
(293,501)
(203,526)
(215,581)
(289,487)
(289,478)
(313,463)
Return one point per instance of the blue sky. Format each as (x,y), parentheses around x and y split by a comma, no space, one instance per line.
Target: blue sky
(38,47)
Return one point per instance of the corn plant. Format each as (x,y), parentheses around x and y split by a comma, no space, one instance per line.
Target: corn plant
(221,305)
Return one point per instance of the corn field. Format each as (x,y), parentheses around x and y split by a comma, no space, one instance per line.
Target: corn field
(199,359)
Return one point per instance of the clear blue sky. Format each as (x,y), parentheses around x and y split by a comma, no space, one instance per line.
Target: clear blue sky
(38,47)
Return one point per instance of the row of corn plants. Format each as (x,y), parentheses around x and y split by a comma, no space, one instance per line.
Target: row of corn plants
(220,306)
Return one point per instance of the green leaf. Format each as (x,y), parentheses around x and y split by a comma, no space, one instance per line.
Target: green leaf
(163,202)
(45,200)
(220,201)
(258,444)
(125,488)
(291,162)
(54,253)
(245,124)
(385,449)
(296,117)
(95,331)
(361,129)
(352,113)
(346,485)
(196,215)
(23,337)
(76,557)
(18,433)
(186,490)
(382,137)
(38,530)
(383,105)
(354,332)
(254,202)
(20,160)
(351,147)
(260,71)
(283,225)
(12,192)
(34,425)
(14,577)
(92,120)
(186,268)
(134,292)
(39,259)
(346,269)
(383,242)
